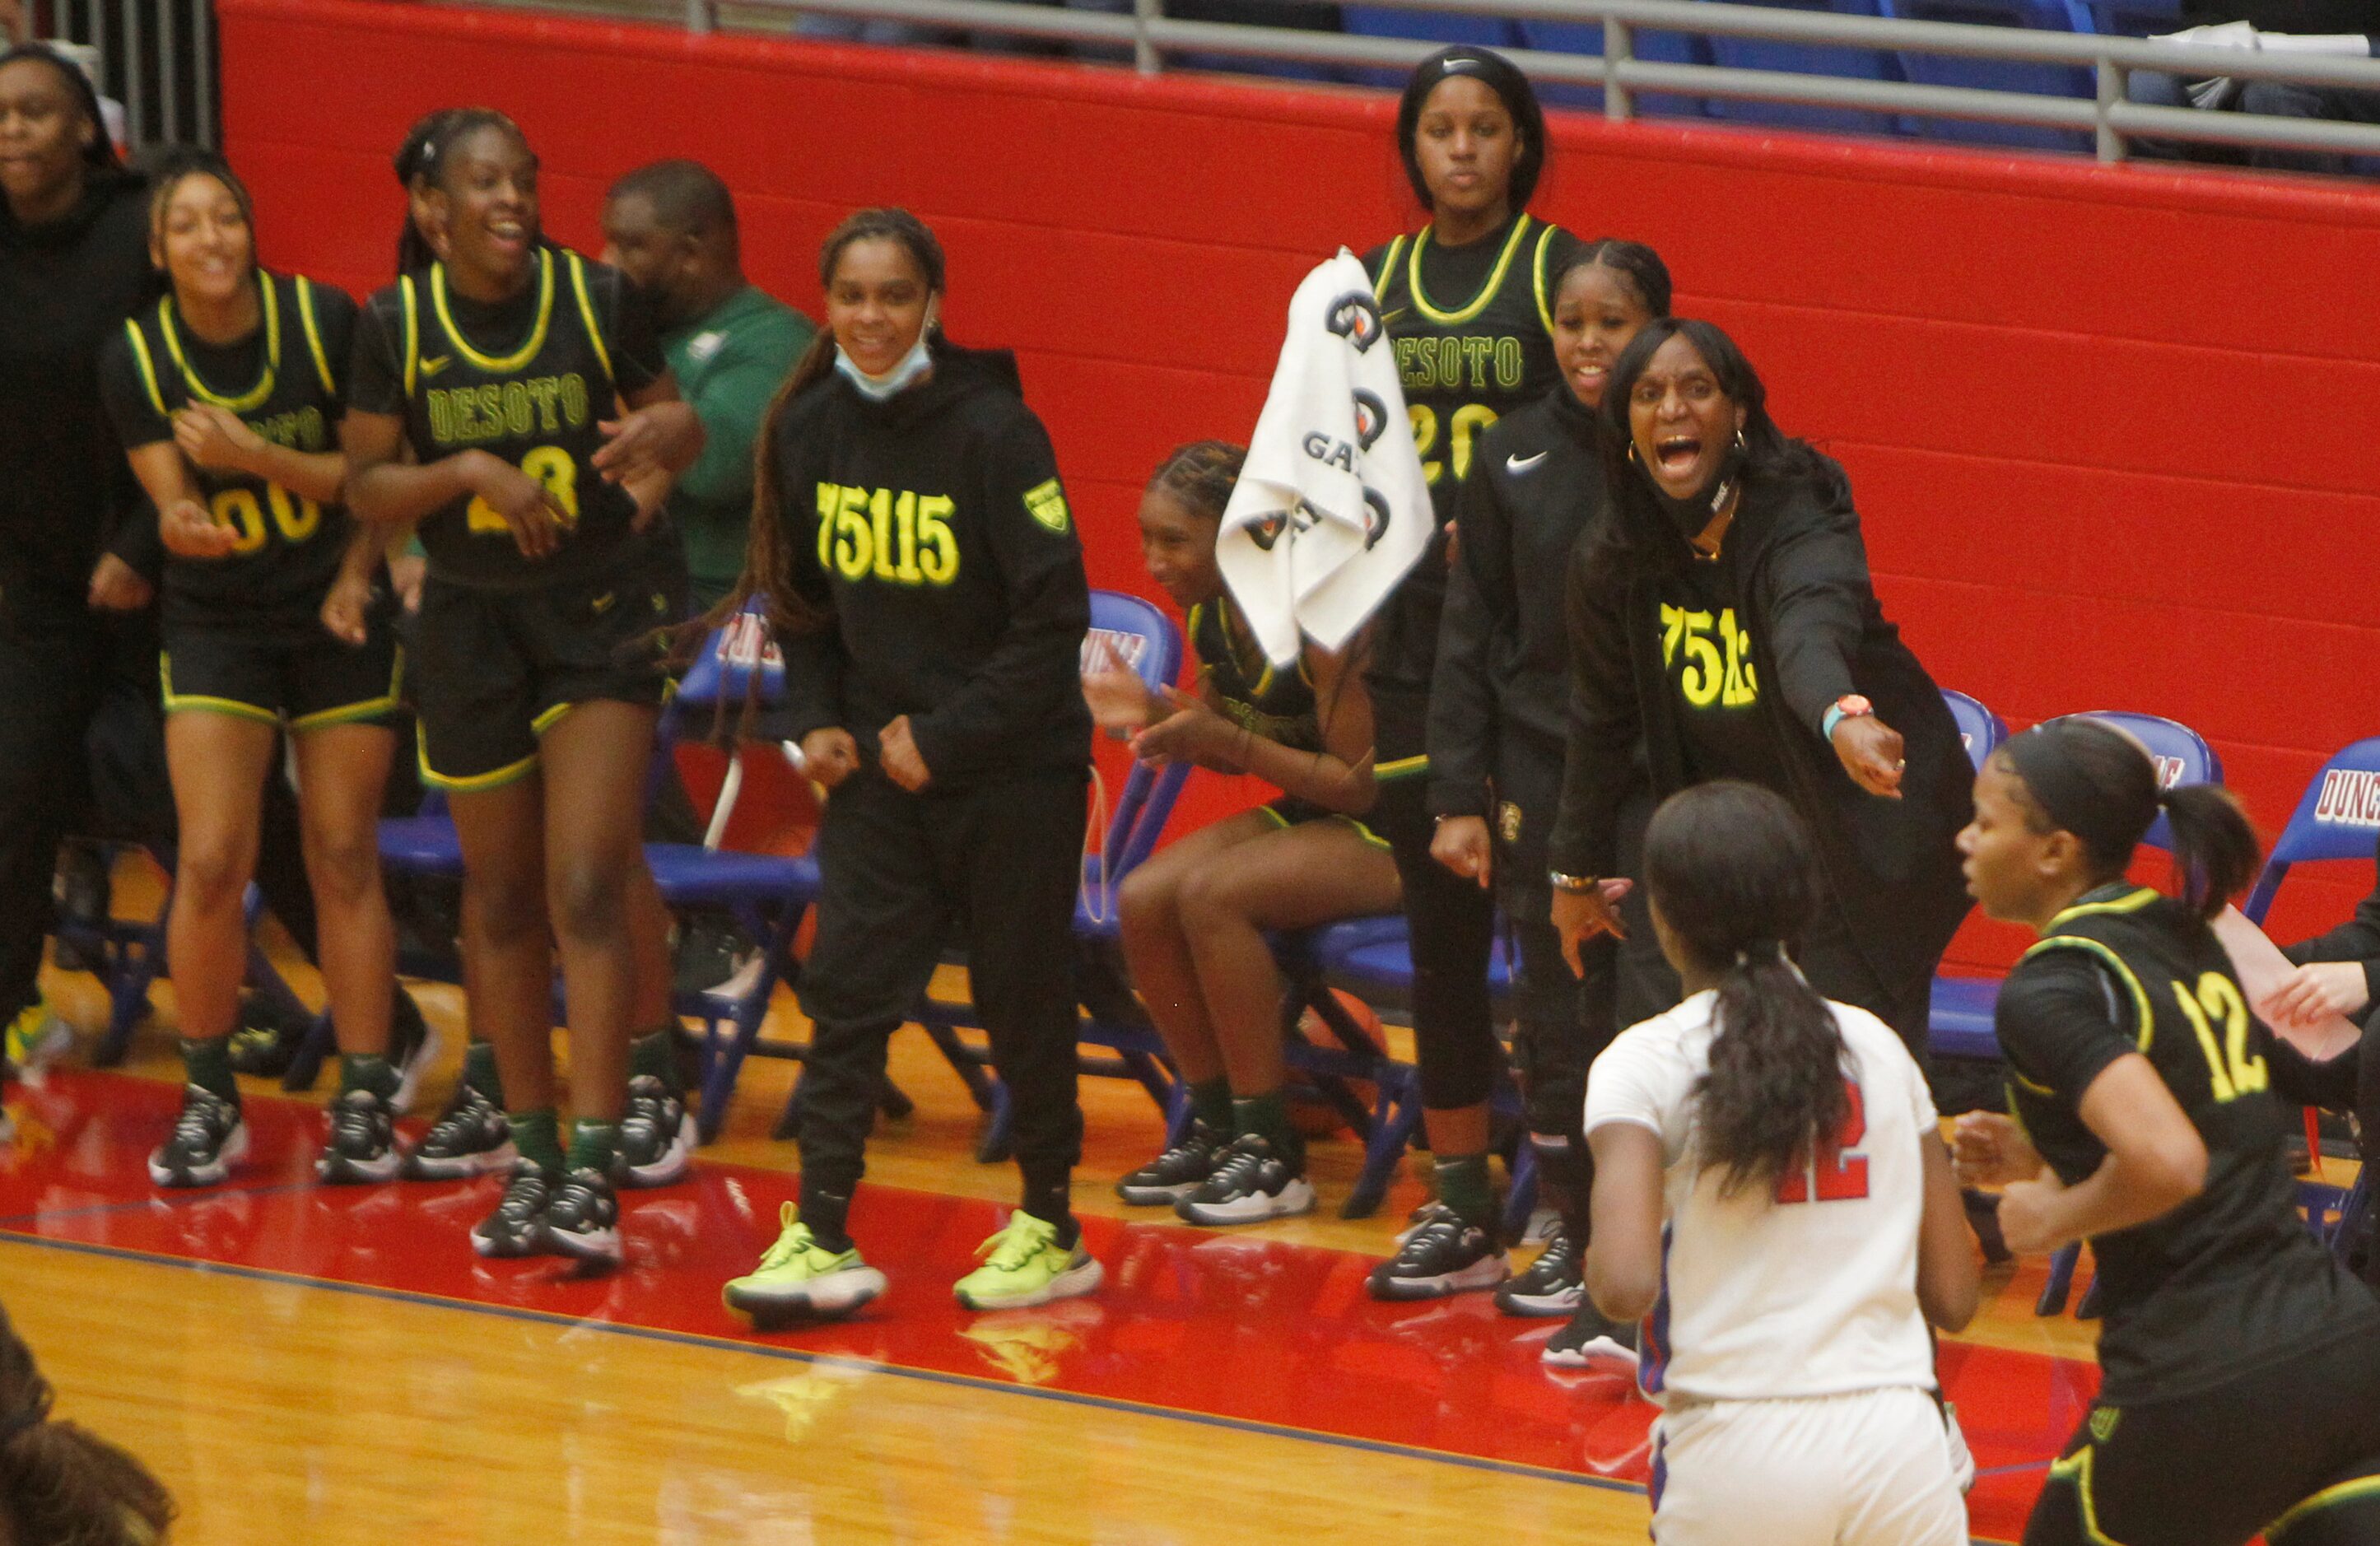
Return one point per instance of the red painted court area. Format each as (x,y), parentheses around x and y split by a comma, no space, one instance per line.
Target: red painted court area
(1203,1326)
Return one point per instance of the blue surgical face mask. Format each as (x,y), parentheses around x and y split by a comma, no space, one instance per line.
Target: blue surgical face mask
(892,382)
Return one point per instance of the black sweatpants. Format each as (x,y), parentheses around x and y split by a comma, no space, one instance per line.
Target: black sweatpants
(897,872)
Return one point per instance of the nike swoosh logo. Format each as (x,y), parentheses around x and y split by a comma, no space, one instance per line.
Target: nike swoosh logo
(1522,464)
(432,367)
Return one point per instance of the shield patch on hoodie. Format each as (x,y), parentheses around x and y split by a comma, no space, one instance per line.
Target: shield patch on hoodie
(1047,503)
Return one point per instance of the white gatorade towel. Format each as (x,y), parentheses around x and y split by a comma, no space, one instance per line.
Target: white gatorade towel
(1331,508)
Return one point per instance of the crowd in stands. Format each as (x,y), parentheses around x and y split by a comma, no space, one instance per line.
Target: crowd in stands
(1638,700)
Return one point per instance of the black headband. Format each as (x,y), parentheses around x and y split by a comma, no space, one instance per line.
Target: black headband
(2044,757)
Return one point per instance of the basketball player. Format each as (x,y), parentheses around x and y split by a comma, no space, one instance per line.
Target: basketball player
(1772,1197)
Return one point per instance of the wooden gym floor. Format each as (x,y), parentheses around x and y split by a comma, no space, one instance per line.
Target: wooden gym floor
(323,1366)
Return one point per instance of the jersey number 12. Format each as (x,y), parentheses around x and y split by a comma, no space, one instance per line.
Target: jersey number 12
(1836,1172)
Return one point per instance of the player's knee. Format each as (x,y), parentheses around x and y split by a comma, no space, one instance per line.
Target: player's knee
(211,869)
(589,900)
(1145,902)
(343,867)
(1207,898)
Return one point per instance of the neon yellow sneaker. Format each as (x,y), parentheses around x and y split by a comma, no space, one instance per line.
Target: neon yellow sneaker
(798,1278)
(1025,1265)
(36,1038)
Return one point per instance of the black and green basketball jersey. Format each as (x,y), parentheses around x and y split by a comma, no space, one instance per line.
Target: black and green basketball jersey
(1472,330)
(532,397)
(2233,1276)
(282,383)
(1277,705)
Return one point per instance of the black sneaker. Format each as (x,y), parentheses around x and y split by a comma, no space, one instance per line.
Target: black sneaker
(1443,1254)
(1178,1172)
(1591,1341)
(471,1138)
(656,1136)
(1555,1282)
(1250,1184)
(583,1218)
(517,1227)
(362,1145)
(209,1139)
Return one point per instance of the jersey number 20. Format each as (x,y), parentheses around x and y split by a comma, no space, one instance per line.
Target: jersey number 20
(1836,1172)
(549,465)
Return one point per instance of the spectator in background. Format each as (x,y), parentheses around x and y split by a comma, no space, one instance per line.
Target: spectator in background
(2317,28)
(671,228)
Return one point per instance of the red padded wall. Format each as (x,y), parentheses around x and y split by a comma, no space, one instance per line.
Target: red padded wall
(2112,430)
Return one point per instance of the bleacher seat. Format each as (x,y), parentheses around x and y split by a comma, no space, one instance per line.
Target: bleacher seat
(1643,42)
(1858,64)
(1993,75)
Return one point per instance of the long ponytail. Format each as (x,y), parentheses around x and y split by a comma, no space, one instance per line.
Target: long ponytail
(1730,868)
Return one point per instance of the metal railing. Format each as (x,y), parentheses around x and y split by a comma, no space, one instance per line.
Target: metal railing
(2110,121)
(157,57)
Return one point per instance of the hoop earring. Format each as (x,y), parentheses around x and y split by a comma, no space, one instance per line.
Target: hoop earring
(1632,453)
(1739,439)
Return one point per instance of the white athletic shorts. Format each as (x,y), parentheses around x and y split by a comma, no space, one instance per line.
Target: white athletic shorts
(1869,1468)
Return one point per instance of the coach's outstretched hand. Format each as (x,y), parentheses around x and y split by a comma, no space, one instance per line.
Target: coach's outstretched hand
(1871,752)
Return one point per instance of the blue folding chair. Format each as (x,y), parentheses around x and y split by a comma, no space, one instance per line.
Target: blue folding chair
(768,894)
(1990,75)
(1144,640)
(2338,818)
(1959,1023)
(1860,64)
(1372,958)
(2183,757)
(2132,18)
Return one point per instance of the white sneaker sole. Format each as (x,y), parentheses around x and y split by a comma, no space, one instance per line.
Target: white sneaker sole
(1485,1272)
(675,1161)
(1156,1197)
(1602,1352)
(1071,1284)
(836,1294)
(234,1150)
(501,1158)
(338,1170)
(1563,1302)
(1255,1208)
(495,1250)
(599,1245)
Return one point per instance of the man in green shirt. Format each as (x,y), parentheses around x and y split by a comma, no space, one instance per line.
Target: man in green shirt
(670,227)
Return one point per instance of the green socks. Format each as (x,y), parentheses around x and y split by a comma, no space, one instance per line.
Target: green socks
(654,1054)
(1210,1101)
(480,1071)
(537,1135)
(1462,1185)
(593,1145)
(206,1064)
(1267,1117)
(368,1071)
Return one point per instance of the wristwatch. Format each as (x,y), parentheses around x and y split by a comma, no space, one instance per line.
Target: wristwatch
(1850,705)
(1571,883)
